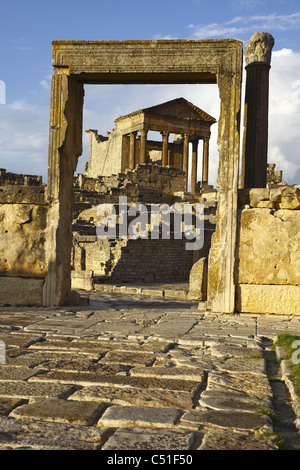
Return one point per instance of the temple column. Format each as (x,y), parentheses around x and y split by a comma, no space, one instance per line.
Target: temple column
(194,165)
(143,146)
(185,161)
(132,150)
(165,135)
(255,144)
(205,161)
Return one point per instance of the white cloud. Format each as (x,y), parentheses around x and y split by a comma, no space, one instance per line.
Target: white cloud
(239,26)
(284,114)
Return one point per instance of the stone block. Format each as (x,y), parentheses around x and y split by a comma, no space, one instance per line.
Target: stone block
(269,247)
(137,438)
(21,291)
(259,197)
(82,280)
(118,416)
(62,411)
(198,280)
(280,299)
(290,197)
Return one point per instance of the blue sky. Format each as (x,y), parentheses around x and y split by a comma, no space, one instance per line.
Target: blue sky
(28,27)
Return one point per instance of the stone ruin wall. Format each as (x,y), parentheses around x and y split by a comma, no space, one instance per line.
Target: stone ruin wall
(269,256)
(23,211)
(109,155)
(142,260)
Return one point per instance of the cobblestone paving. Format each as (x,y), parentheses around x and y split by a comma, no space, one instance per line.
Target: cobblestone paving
(131,372)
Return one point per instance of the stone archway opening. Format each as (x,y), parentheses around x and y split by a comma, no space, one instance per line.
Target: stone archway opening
(141,62)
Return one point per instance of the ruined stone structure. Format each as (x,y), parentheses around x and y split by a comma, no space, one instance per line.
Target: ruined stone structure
(127,145)
(252,261)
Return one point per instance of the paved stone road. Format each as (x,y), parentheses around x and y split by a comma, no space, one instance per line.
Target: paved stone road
(131,372)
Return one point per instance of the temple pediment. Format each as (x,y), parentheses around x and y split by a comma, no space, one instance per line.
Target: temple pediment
(177,108)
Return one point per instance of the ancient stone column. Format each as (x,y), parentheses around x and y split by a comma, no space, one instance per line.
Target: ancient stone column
(132,150)
(143,146)
(185,161)
(194,165)
(255,145)
(165,135)
(205,161)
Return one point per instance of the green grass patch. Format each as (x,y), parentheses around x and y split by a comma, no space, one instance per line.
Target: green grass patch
(291,346)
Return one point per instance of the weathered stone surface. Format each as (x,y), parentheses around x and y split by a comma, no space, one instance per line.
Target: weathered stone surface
(15,373)
(136,438)
(124,357)
(248,366)
(259,48)
(250,384)
(25,390)
(226,411)
(89,378)
(30,435)
(136,396)
(8,404)
(223,439)
(181,373)
(118,416)
(280,299)
(22,240)
(269,248)
(21,291)
(63,411)
(198,280)
(194,419)
(230,401)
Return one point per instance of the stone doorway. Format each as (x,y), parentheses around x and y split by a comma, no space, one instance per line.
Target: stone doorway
(177,61)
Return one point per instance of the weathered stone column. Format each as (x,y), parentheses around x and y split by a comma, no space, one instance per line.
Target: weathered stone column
(65,146)
(165,135)
(255,144)
(205,161)
(194,165)
(143,146)
(132,150)
(185,161)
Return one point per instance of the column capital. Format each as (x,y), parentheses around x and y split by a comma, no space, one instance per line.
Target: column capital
(165,133)
(259,49)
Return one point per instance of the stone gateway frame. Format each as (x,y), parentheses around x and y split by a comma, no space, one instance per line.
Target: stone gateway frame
(76,63)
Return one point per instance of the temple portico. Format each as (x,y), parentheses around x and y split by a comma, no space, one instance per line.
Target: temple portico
(186,121)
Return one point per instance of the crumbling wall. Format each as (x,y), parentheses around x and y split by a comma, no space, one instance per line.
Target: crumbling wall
(269,250)
(23,213)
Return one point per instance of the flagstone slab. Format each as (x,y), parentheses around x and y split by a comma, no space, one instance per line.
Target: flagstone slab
(171,329)
(136,396)
(20,340)
(250,384)
(229,401)
(93,379)
(122,327)
(248,366)
(30,390)
(225,439)
(16,373)
(225,350)
(84,413)
(136,438)
(182,373)
(195,419)
(119,416)
(8,404)
(129,358)
(46,359)
(18,434)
